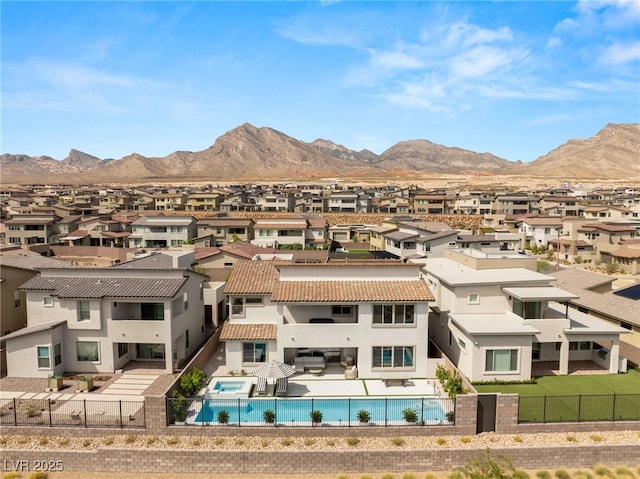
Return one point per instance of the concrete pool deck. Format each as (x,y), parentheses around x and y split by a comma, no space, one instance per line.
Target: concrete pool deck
(301,387)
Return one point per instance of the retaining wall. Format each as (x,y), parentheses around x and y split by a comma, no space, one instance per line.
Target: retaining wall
(312,462)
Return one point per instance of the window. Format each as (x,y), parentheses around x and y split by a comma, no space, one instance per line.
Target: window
(501,360)
(84,310)
(48,302)
(152,311)
(254,352)
(474,298)
(393,314)
(338,310)
(57,354)
(585,345)
(44,357)
(392,357)
(16,298)
(186,339)
(625,325)
(528,310)
(150,351)
(238,304)
(123,349)
(87,351)
(573,346)
(462,344)
(185,301)
(201,290)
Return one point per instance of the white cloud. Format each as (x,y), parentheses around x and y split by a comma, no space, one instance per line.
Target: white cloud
(395,59)
(620,53)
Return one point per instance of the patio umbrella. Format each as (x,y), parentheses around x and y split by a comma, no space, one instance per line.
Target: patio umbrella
(273,369)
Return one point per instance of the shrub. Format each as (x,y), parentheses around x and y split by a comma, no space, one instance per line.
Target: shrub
(11,475)
(178,407)
(486,467)
(441,441)
(611,268)
(309,441)
(129,439)
(397,441)
(595,438)
(38,475)
(562,474)
(519,474)
(603,471)
(572,438)
(223,416)
(543,475)
(64,441)
(316,416)
(173,440)
(353,441)
(517,438)
(363,416)
(582,475)
(269,416)
(218,441)
(86,442)
(465,439)
(191,381)
(623,472)
(151,440)
(286,441)
(410,415)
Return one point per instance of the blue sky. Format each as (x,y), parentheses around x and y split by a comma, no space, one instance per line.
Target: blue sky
(516,79)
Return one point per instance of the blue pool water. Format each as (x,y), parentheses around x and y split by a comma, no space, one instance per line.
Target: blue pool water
(228,386)
(336,411)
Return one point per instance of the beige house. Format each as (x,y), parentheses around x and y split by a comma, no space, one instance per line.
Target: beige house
(494,316)
(598,298)
(94,320)
(370,315)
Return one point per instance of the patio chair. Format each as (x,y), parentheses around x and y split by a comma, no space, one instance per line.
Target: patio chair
(282,387)
(261,387)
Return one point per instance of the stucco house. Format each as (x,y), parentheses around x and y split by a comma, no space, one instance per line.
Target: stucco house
(94,320)
(494,316)
(372,315)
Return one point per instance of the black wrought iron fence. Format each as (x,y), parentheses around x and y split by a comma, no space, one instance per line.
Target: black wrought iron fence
(72,412)
(311,412)
(579,408)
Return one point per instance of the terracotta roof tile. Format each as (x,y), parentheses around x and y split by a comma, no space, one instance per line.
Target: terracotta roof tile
(244,331)
(252,277)
(351,291)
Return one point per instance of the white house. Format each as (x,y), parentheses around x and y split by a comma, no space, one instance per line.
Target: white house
(494,316)
(162,231)
(96,320)
(372,315)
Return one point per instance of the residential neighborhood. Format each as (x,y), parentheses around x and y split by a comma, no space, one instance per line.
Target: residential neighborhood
(374,296)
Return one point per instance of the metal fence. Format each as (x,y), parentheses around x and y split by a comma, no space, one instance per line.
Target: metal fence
(275,412)
(579,408)
(72,412)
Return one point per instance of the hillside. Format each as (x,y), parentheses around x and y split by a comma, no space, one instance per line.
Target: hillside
(250,152)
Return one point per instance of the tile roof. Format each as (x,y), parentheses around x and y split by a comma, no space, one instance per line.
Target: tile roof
(244,331)
(151,261)
(94,287)
(244,249)
(252,277)
(608,304)
(351,291)
(281,226)
(34,329)
(32,261)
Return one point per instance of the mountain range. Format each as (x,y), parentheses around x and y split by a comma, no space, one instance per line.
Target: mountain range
(250,152)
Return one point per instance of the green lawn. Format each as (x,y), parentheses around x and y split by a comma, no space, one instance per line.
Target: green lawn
(628,383)
(576,398)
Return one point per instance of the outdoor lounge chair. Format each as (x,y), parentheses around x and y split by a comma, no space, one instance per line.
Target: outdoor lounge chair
(261,386)
(282,386)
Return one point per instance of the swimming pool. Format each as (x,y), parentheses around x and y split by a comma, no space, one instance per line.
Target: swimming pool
(228,389)
(382,411)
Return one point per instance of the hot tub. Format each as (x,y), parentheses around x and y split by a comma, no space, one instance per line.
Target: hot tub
(229,389)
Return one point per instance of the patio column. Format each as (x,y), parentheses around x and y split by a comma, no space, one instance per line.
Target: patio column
(614,356)
(564,356)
